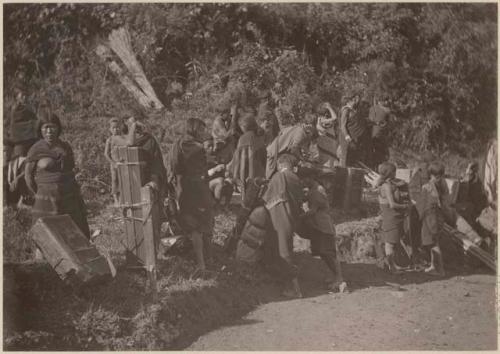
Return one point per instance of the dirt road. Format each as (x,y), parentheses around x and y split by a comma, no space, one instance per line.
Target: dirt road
(383,312)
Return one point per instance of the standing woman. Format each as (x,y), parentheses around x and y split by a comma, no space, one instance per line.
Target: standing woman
(188,173)
(49,175)
(393,212)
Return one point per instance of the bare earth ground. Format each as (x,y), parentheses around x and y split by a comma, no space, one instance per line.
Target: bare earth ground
(383,312)
(457,313)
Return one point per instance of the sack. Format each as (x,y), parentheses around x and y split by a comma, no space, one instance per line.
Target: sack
(488,219)
(401,191)
(254,235)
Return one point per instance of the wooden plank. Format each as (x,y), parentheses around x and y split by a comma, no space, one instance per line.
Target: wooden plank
(133,177)
(151,226)
(125,193)
(470,248)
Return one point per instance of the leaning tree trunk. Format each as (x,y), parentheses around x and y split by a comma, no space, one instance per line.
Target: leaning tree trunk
(120,43)
(104,53)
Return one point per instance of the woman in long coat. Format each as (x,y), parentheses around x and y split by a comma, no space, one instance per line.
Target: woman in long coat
(188,173)
(49,175)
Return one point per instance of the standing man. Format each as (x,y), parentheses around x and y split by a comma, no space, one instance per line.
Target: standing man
(354,133)
(379,116)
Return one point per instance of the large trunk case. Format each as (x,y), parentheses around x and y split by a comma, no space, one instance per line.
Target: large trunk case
(68,251)
(140,209)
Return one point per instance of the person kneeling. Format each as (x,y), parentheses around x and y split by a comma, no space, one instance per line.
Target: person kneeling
(317,226)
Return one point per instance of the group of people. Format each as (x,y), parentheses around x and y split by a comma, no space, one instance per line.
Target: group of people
(417,211)
(284,175)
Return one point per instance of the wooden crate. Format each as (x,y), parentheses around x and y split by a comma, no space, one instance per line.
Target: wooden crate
(68,251)
(141,210)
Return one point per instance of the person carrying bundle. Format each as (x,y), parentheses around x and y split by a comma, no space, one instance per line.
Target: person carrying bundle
(393,210)
(283,199)
(292,140)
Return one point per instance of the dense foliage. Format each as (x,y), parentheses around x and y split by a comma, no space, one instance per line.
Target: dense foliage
(437,62)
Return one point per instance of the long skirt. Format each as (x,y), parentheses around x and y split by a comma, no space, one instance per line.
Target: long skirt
(59,199)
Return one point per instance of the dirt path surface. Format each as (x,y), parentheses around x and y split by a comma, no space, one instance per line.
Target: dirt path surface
(383,312)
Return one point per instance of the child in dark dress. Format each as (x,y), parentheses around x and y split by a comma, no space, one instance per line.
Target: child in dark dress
(430,207)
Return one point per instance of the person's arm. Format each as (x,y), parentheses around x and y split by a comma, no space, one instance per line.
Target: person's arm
(333,115)
(390,197)
(344,116)
(29,176)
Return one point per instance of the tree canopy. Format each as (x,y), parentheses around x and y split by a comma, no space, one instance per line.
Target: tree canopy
(437,62)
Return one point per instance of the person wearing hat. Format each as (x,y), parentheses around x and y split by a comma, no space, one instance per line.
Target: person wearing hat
(355,137)
(49,174)
(393,211)
(293,140)
(316,225)
(379,116)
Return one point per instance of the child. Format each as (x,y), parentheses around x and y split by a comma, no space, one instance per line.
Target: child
(393,211)
(431,211)
(317,226)
(283,199)
(117,138)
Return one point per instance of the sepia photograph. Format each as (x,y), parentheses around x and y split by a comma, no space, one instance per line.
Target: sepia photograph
(250,176)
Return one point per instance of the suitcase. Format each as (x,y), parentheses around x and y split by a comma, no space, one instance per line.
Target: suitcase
(141,209)
(69,252)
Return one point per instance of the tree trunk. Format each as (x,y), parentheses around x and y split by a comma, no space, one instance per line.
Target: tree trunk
(119,42)
(103,53)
